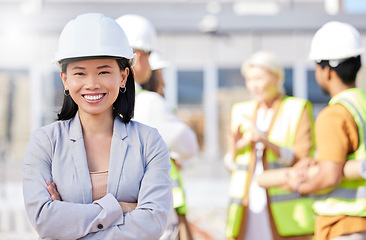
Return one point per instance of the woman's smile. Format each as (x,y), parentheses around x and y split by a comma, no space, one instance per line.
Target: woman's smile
(93,98)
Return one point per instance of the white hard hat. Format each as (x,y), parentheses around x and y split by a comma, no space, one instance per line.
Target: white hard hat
(336,41)
(157,62)
(93,34)
(140,32)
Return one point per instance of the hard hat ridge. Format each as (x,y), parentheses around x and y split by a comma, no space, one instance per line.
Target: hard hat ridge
(90,35)
(336,41)
(140,32)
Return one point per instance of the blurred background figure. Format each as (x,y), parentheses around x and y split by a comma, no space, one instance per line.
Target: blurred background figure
(156,82)
(271,131)
(182,149)
(152,109)
(142,38)
(340,205)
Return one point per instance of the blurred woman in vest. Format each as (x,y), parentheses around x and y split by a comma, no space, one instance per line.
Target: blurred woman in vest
(271,131)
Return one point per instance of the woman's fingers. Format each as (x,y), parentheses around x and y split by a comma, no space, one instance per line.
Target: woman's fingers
(52,190)
(127,207)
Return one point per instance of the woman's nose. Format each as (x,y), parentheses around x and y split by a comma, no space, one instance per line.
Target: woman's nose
(92,82)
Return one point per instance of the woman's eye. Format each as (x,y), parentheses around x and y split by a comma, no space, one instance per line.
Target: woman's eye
(79,74)
(104,72)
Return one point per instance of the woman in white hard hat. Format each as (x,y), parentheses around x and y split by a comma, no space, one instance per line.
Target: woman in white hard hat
(95,173)
(271,131)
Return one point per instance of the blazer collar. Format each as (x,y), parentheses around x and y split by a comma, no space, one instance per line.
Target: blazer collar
(76,132)
(117,156)
(79,157)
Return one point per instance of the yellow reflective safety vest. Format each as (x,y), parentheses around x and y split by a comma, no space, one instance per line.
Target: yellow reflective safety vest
(291,214)
(349,197)
(179,200)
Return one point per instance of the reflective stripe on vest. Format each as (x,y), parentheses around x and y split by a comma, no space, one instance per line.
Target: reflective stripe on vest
(349,197)
(239,177)
(292,216)
(179,201)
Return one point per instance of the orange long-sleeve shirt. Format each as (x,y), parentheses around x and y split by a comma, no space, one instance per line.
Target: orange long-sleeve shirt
(336,135)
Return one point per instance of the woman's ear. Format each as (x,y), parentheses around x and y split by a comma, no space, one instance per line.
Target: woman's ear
(64,78)
(124,76)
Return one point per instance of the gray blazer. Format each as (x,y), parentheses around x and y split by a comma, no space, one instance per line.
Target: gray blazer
(138,172)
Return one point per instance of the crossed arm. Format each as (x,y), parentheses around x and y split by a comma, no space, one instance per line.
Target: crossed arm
(52,190)
(105,218)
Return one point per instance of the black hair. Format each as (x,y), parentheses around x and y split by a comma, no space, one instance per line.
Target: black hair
(346,70)
(125,102)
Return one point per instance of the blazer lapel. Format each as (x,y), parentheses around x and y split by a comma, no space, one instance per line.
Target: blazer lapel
(117,155)
(79,156)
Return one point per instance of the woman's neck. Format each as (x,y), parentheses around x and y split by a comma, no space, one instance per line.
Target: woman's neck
(97,125)
(267,104)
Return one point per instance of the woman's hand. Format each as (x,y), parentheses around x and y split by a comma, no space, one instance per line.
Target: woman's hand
(52,190)
(300,173)
(301,168)
(237,141)
(127,207)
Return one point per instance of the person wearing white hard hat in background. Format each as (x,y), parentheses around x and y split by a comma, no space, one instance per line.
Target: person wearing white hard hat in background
(141,35)
(150,107)
(183,145)
(270,131)
(95,173)
(156,82)
(340,131)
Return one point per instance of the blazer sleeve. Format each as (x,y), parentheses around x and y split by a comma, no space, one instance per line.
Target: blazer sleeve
(102,219)
(59,219)
(155,202)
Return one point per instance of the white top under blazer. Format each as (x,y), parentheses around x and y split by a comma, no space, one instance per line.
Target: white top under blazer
(138,172)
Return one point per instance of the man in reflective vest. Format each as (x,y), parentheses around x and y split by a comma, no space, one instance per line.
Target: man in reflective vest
(340,136)
(286,126)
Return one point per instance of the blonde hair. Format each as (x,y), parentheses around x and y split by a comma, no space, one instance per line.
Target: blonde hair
(268,61)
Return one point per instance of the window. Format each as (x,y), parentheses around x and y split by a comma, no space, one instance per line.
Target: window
(230,78)
(59,90)
(288,85)
(354,6)
(190,87)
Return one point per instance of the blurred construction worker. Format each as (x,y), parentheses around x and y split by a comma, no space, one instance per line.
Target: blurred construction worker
(340,135)
(152,109)
(156,83)
(141,35)
(182,148)
(271,131)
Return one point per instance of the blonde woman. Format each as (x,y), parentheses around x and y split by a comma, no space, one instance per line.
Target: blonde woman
(271,131)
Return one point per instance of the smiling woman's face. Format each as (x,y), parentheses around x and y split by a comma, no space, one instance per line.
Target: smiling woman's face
(94,84)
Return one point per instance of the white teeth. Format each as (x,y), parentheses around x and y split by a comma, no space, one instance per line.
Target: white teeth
(93,97)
